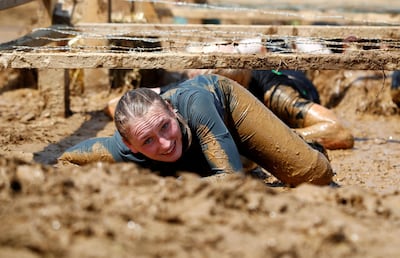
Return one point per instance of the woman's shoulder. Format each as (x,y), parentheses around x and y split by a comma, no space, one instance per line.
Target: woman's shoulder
(201,80)
(192,86)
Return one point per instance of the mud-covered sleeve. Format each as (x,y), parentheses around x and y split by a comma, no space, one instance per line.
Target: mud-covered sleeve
(214,137)
(88,151)
(107,149)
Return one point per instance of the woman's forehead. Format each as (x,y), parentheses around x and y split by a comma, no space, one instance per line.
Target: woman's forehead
(153,118)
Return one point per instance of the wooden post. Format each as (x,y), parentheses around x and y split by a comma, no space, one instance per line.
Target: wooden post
(46,8)
(54,88)
(53,84)
(93,12)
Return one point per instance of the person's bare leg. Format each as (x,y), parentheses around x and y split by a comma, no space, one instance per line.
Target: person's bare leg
(322,125)
(109,110)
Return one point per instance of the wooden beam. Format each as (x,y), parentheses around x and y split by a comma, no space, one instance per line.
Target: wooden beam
(266,16)
(76,58)
(6,4)
(353,5)
(364,60)
(240,31)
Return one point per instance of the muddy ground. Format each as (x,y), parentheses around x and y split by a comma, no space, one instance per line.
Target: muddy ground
(103,210)
(118,210)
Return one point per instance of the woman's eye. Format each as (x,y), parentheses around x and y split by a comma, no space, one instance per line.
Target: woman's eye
(165,126)
(148,141)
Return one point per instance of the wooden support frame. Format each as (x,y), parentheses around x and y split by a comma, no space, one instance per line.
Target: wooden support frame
(304,12)
(377,6)
(328,31)
(56,62)
(367,60)
(44,36)
(53,84)
(270,16)
(177,61)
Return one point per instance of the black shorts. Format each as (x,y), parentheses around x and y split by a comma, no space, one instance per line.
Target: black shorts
(288,94)
(287,103)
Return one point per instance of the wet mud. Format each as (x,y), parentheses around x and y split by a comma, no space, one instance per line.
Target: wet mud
(103,210)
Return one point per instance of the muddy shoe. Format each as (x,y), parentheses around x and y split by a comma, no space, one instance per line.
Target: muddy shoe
(319,147)
(395,88)
(315,145)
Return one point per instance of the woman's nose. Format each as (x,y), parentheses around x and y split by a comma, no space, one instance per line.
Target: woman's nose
(164,142)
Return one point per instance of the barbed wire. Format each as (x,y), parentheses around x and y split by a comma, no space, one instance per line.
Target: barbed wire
(103,39)
(88,40)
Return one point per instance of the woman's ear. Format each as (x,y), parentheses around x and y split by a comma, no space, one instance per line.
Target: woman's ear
(133,149)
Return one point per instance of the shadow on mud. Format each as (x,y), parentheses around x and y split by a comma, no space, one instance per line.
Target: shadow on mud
(97,122)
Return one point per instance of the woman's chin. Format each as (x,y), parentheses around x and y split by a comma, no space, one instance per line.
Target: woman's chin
(175,156)
(170,159)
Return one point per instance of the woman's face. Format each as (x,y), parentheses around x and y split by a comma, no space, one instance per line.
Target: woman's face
(156,135)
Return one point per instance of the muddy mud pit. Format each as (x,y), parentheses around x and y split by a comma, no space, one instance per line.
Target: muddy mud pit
(119,210)
(103,210)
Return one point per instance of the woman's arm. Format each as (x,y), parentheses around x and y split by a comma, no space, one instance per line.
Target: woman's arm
(88,151)
(107,149)
(215,139)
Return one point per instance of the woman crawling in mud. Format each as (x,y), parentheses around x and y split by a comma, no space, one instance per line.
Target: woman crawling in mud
(204,125)
(289,94)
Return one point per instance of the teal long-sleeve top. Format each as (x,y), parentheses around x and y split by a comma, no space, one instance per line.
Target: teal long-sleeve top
(204,105)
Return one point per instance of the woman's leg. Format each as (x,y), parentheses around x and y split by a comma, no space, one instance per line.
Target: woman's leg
(323,126)
(265,139)
(312,121)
